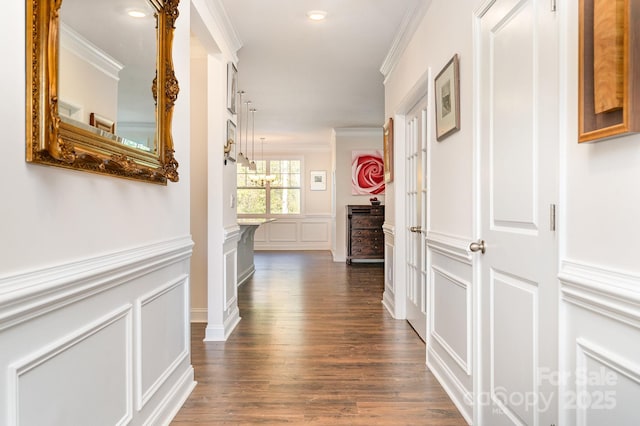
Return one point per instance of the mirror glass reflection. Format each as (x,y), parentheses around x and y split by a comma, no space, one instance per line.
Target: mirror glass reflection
(106,66)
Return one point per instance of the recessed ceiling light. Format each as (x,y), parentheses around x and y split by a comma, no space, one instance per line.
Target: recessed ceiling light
(316,15)
(136,13)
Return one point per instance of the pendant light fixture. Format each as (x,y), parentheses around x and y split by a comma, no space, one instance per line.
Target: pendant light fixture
(239,144)
(242,158)
(252,164)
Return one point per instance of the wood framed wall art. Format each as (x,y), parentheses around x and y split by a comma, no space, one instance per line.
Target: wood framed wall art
(232,87)
(609,69)
(447,92)
(388,150)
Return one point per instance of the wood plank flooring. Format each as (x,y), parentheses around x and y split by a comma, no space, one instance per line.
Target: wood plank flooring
(315,346)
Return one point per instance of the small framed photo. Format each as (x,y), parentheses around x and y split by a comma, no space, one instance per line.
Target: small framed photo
(447,93)
(102,123)
(232,87)
(229,147)
(388,150)
(318,180)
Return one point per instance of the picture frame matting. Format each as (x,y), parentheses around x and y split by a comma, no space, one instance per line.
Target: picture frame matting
(447,97)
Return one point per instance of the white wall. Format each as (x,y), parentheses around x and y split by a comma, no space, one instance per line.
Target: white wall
(215,208)
(94,269)
(347,140)
(86,87)
(199,206)
(599,267)
(451,159)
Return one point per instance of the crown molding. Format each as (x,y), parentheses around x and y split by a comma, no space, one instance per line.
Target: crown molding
(229,33)
(212,24)
(358,131)
(295,148)
(89,52)
(406,30)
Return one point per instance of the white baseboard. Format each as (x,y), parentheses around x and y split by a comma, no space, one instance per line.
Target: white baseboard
(199,315)
(452,386)
(221,332)
(338,259)
(173,401)
(388,301)
(246,274)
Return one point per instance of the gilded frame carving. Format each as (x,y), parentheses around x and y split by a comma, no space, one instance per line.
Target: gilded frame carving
(53,142)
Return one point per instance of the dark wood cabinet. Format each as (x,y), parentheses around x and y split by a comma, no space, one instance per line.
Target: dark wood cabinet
(365,239)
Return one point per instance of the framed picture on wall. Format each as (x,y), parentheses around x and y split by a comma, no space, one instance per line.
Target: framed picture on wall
(608,69)
(367,172)
(388,150)
(318,180)
(447,93)
(229,147)
(232,87)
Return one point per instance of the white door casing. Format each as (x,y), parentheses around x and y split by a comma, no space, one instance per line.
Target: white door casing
(517,118)
(415,210)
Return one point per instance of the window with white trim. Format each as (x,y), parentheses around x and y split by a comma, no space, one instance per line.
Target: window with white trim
(274,189)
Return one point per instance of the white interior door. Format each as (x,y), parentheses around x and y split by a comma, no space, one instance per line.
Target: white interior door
(518,124)
(415,219)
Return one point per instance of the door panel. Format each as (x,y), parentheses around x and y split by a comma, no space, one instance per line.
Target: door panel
(513,334)
(513,120)
(415,218)
(518,182)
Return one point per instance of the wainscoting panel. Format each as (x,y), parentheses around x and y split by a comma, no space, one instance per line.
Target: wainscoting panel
(452,291)
(223,313)
(102,340)
(614,387)
(311,232)
(95,389)
(450,317)
(162,309)
(600,354)
(314,232)
(389,296)
(283,232)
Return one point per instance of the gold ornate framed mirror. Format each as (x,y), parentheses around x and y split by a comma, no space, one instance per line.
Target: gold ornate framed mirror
(101,86)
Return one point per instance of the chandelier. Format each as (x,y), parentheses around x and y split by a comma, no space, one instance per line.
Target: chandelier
(261,179)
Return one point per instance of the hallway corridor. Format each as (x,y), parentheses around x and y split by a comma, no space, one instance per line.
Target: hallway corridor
(314,346)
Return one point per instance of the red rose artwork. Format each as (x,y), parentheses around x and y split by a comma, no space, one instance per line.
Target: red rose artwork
(367,172)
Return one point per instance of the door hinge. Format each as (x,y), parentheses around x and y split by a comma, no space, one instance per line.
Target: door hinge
(553,5)
(552,217)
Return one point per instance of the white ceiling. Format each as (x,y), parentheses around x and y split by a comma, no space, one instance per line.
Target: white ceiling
(305,78)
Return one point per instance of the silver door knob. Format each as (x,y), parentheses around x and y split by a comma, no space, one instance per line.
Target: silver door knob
(415,229)
(479,246)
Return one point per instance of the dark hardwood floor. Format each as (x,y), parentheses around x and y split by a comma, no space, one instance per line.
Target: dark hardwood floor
(315,346)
